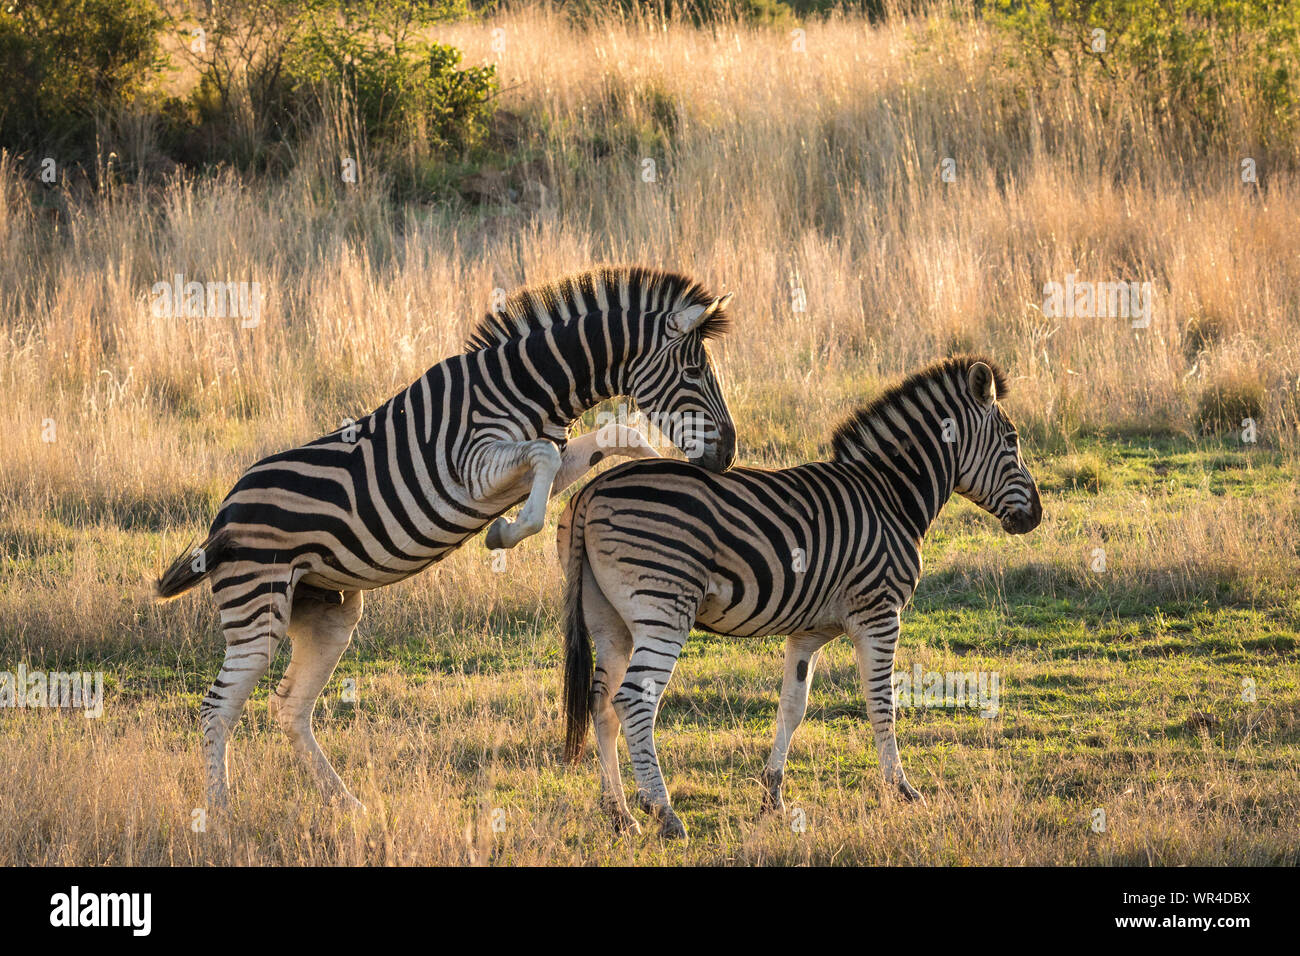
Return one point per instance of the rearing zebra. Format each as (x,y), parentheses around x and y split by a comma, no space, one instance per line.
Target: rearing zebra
(652,548)
(304,532)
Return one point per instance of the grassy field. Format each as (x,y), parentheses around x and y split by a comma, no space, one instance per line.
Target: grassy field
(1163,690)
(1120,690)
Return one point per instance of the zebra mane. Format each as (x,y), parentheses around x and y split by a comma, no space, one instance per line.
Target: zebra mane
(858,436)
(542,306)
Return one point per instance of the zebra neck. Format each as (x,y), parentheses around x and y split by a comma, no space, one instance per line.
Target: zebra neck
(914,484)
(592,354)
(545,380)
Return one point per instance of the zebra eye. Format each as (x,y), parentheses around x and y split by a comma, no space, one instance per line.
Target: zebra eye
(1013,439)
(693,373)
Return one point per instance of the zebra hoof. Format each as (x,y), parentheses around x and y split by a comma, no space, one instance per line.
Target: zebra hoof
(496,535)
(910,793)
(773,801)
(625,824)
(671,826)
(346,802)
(620,817)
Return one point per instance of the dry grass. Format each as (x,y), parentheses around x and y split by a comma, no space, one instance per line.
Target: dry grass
(458,719)
(775,169)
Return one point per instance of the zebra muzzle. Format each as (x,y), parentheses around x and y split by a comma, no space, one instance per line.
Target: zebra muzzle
(1026,519)
(719,454)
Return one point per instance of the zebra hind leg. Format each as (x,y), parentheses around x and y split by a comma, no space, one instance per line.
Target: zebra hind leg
(253,617)
(613,646)
(637,706)
(320,633)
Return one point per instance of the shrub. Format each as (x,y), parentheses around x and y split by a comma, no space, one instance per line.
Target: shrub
(63,62)
(1186,55)
(273,70)
(1229,399)
(240,104)
(696,11)
(405,87)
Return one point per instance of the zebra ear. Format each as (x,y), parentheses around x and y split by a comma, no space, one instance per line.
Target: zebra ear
(685,320)
(980,379)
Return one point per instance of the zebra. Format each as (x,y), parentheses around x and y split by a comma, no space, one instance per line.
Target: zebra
(303,533)
(652,548)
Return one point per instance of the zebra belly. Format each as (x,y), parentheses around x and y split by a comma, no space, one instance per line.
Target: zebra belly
(716,615)
(326,572)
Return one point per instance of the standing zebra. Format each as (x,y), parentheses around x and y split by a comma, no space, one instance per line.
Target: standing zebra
(812,552)
(304,532)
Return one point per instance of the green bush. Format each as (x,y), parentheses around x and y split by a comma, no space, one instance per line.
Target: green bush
(1185,54)
(64,62)
(273,70)
(404,86)
(240,105)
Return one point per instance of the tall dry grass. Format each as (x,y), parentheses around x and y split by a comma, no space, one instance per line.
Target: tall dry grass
(776,169)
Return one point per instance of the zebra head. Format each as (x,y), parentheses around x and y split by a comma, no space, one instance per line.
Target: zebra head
(990,469)
(675,384)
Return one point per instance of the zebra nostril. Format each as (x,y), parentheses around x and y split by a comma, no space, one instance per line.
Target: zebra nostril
(727,445)
(717,455)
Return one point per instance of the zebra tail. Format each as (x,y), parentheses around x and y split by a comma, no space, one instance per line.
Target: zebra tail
(181,574)
(577,642)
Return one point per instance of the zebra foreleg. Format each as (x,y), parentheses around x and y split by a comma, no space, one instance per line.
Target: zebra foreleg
(320,633)
(508,460)
(875,637)
(800,661)
(586,451)
(253,620)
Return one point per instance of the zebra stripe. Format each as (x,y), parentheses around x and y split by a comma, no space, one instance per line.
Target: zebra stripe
(304,532)
(651,549)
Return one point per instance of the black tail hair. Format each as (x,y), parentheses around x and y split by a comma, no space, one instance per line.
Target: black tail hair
(181,574)
(578,663)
